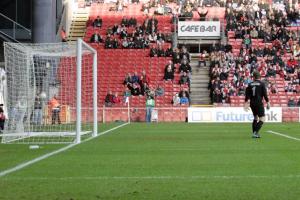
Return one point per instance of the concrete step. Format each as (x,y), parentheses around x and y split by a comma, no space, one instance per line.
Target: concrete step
(196,73)
(76,35)
(199,82)
(200,102)
(200,90)
(199,75)
(196,94)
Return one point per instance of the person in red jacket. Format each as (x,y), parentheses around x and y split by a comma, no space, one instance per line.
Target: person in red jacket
(291,64)
(116,99)
(144,78)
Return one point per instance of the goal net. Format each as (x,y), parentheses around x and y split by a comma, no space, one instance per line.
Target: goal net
(51,92)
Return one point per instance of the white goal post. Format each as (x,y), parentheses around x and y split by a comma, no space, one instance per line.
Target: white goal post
(51,92)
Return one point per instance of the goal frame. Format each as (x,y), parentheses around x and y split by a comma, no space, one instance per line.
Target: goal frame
(81,43)
(80,48)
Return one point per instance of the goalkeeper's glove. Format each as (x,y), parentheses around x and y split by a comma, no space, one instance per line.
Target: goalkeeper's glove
(246,107)
(268,106)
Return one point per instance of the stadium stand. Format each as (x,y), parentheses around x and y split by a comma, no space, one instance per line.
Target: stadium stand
(262,38)
(255,36)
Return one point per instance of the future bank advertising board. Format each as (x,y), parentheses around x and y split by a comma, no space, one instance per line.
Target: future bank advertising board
(230,114)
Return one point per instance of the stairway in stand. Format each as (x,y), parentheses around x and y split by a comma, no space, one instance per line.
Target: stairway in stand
(199,84)
(78,25)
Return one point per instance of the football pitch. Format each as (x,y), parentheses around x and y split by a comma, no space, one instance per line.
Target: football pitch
(161,161)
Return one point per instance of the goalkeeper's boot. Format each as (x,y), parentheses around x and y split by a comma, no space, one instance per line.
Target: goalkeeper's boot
(255,135)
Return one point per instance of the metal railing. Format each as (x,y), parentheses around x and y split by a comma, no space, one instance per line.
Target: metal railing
(13,30)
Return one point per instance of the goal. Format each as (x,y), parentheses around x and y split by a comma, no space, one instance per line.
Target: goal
(51,92)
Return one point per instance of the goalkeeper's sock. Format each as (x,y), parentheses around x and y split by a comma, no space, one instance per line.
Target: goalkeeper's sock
(258,126)
(254,124)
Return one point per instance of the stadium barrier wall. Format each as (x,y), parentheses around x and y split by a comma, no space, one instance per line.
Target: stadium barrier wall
(181,114)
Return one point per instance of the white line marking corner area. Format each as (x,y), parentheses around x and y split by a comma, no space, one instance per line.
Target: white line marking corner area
(283,135)
(31,162)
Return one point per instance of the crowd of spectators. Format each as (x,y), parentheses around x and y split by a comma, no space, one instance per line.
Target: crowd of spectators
(136,84)
(179,63)
(278,56)
(129,34)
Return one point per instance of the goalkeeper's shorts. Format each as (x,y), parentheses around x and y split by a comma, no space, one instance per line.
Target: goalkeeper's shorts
(258,110)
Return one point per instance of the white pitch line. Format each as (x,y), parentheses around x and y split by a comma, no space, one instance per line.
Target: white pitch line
(154,177)
(284,135)
(31,162)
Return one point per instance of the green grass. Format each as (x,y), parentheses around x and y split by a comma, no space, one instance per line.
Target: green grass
(162,161)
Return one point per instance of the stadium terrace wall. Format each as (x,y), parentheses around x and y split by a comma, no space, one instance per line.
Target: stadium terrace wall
(183,114)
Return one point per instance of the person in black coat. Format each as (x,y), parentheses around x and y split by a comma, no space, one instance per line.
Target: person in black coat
(97,22)
(96,38)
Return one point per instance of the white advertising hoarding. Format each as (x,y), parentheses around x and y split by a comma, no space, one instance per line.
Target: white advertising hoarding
(230,114)
(199,29)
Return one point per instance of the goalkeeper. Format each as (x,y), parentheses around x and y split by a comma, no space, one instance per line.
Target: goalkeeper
(256,92)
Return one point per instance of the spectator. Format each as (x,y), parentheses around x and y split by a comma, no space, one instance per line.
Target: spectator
(125,43)
(184,100)
(2,118)
(63,35)
(97,22)
(185,67)
(271,72)
(160,38)
(144,89)
(223,75)
(128,80)
(289,88)
(126,94)
(202,14)
(185,92)
(55,109)
(38,112)
(291,65)
(176,100)
(115,43)
(116,99)
(108,42)
(217,97)
(224,96)
(169,52)
(153,52)
(291,102)
(150,92)
(144,78)
(254,33)
(184,55)
(96,38)
(159,10)
(108,99)
(184,79)
(152,37)
(202,59)
(135,90)
(135,78)
(159,91)
(273,89)
(247,42)
(169,73)
(150,103)
(176,56)
(298,103)
(160,51)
